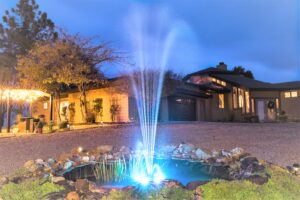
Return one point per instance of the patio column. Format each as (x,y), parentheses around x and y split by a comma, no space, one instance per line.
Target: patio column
(8,113)
(51,107)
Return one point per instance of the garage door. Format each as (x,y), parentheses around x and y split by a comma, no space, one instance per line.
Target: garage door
(182,109)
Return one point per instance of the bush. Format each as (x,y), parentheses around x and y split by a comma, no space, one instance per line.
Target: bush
(29,190)
(90,118)
(63,125)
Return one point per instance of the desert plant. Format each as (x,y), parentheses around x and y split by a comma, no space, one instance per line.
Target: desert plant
(63,125)
(114,110)
(72,111)
(98,107)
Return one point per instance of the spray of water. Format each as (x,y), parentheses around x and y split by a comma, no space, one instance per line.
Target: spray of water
(152,35)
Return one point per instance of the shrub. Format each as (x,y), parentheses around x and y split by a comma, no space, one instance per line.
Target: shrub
(29,190)
(90,117)
(63,124)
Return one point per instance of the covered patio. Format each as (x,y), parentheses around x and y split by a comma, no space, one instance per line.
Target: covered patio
(20,98)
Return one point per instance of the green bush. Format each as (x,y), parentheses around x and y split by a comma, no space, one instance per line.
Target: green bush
(29,190)
(63,125)
(281,186)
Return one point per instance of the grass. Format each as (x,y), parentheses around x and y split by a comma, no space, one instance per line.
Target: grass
(29,190)
(281,186)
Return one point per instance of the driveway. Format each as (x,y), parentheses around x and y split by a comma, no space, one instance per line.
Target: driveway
(277,143)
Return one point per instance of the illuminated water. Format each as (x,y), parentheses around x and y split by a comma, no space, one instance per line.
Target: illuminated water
(180,170)
(152,35)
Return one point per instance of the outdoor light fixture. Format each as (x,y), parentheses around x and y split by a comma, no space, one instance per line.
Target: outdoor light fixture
(79,149)
(21,95)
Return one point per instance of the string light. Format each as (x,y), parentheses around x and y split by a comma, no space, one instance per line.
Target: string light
(21,94)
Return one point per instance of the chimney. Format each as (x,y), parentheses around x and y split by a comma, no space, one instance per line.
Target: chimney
(222,66)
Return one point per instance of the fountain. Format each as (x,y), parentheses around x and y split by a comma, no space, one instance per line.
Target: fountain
(152,40)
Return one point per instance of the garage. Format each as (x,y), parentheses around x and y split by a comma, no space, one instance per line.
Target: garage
(181,108)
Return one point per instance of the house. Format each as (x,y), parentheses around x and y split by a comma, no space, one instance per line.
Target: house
(235,97)
(212,94)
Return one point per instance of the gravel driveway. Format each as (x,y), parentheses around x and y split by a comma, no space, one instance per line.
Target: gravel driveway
(278,143)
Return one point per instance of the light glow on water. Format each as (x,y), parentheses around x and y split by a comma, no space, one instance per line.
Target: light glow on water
(152,34)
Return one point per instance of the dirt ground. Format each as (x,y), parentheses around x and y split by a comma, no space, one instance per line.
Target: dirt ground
(277,143)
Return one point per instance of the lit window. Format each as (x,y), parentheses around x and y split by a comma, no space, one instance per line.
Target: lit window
(287,95)
(277,104)
(247,99)
(45,105)
(252,106)
(223,83)
(294,94)
(241,98)
(291,94)
(221,101)
(234,96)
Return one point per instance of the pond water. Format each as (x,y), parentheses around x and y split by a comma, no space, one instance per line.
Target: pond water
(115,176)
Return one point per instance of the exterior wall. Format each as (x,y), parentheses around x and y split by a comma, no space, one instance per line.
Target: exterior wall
(108,95)
(291,106)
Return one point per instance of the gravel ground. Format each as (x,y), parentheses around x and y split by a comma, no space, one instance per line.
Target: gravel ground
(277,143)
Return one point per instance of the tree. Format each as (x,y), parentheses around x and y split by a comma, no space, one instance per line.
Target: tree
(69,60)
(22,26)
(241,70)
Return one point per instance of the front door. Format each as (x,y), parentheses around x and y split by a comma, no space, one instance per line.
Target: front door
(261,110)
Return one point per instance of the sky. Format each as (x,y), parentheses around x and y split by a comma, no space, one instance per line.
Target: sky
(260,35)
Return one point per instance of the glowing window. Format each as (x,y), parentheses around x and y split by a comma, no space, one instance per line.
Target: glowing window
(277,104)
(247,99)
(287,95)
(221,101)
(234,98)
(45,105)
(241,98)
(294,94)
(252,106)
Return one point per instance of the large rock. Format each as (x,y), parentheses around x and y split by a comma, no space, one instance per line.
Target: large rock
(250,160)
(186,148)
(168,149)
(73,196)
(105,148)
(200,154)
(82,185)
(237,152)
(3,180)
(31,166)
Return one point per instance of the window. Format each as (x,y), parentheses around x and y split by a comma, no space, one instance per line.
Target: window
(234,98)
(277,104)
(45,105)
(221,101)
(294,94)
(241,98)
(287,95)
(252,106)
(291,94)
(247,99)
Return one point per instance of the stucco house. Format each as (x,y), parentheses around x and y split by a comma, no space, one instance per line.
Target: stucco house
(212,94)
(235,97)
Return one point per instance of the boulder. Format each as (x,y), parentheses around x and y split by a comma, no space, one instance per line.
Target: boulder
(186,148)
(105,148)
(31,166)
(85,159)
(250,160)
(96,189)
(82,185)
(237,152)
(57,179)
(73,196)
(68,165)
(194,184)
(3,180)
(200,154)
(168,149)
(225,153)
